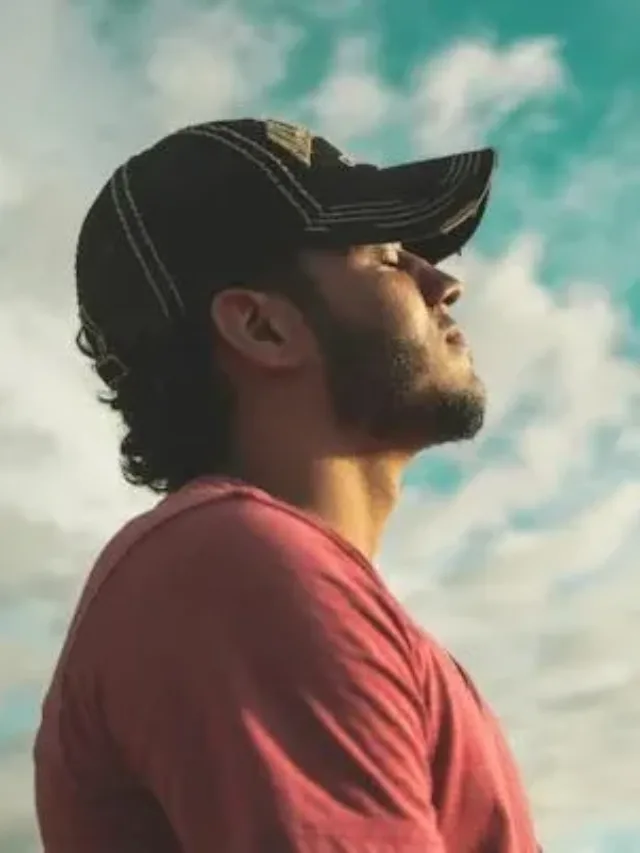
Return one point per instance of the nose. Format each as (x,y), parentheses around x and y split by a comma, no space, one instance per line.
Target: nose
(438,287)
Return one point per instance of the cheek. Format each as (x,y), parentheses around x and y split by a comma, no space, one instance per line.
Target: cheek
(391,303)
(410,315)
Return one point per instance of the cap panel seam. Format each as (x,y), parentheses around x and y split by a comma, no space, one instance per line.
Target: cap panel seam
(133,244)
(263,167)
(148,239)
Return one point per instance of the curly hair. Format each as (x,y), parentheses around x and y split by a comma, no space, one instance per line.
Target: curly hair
(176,404)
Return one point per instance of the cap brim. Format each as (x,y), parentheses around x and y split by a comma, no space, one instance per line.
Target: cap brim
(433,207)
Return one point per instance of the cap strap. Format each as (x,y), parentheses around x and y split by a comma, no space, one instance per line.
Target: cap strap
(112,369)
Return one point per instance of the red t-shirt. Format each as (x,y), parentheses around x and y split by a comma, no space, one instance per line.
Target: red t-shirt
(238,679)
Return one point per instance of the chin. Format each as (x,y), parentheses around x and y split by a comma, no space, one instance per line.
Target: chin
(457,411)
(441,415)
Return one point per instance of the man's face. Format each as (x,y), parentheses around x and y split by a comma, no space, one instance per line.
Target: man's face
(399,371)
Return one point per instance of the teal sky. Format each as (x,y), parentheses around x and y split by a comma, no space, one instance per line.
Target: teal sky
(519,551)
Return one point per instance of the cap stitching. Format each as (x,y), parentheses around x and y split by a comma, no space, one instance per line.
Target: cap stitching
(357,213)
(463,166)
(211,134)
(268,155)
(409,213)
(392,222)
(431,207)
(455,165)
(134,246)
(398,208)
(147,238)
(325,214)
(461,162)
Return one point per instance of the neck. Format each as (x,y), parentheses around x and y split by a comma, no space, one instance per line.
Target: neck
(354,495)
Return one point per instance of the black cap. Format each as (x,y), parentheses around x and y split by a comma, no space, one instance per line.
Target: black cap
(213,202)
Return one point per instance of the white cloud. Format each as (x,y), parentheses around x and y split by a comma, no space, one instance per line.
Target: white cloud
(473,86)
(215,64)
(15,779)
(352,100)
(457,98)
(10,183)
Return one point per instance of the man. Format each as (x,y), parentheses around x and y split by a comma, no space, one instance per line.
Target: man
(271,325)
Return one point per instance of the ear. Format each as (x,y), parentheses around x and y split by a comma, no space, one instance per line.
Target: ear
(261,328)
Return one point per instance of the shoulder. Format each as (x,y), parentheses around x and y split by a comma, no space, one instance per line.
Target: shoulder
(210,515)
(217,545)
(211,522)
(211,590)
(234,529)
(232,569)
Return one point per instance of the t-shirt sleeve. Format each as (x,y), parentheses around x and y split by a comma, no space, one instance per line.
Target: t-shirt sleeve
(262,688)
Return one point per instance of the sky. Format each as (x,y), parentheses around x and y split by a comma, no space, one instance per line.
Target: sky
(520,550)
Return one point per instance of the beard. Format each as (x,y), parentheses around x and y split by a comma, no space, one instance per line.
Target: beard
(381,386)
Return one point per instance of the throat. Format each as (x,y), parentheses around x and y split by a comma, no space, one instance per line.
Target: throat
(353,497)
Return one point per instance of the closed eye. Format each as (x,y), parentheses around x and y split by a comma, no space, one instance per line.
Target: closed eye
(398,261)
(452,296)
(389,255)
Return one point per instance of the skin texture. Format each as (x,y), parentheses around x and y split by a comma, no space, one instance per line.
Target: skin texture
(337,388)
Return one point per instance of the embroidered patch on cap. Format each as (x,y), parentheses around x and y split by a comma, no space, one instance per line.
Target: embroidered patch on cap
(294,138)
